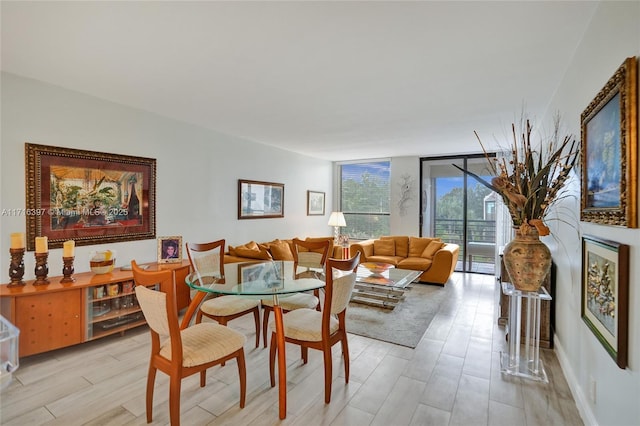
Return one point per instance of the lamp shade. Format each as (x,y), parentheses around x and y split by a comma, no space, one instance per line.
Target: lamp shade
(337,219)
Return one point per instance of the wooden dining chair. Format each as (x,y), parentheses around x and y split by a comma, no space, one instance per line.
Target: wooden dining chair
(179,353)
(208,258)
(310,328)
(307,256)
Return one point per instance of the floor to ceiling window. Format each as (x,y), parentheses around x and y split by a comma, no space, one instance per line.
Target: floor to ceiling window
(365,197)
(459,209)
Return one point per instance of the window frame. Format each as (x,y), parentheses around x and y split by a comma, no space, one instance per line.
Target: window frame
(339,193)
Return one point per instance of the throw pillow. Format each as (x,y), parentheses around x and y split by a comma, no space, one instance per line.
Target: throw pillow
(384,248)
(251,245)
(259,253)
(417,246)
(280,250)
(432,248)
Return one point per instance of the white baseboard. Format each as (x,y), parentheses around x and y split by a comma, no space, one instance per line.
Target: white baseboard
(578,394)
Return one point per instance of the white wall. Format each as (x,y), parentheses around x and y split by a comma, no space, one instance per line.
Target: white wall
(197,171)
(613,35)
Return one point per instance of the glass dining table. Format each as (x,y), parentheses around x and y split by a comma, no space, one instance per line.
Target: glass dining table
(256,279)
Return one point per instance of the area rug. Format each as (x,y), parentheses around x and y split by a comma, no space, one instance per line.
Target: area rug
(405,325)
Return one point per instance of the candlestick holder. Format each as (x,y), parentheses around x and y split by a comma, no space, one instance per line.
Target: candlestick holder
(16,269)
(67,270)
(42,269)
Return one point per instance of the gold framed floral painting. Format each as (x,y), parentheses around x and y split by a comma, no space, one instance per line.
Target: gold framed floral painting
(610,151)
(605,294)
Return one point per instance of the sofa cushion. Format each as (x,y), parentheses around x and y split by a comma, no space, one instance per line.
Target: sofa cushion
(385,259)
(384,248)
(417,246)
(316,239)
(402,244)
(251,245)
(280,250)
(415,263)
(432,248)
(259,253)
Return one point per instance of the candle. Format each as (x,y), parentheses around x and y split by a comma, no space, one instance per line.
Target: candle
(68,248)
(17,240)
(42,245)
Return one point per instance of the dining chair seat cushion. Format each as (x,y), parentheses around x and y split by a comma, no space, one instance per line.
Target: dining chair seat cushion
(293,302)
(305,324)
(205,342)
(228,305)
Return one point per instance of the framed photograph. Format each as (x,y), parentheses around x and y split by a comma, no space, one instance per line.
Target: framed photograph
(258,200)
(609,128)
(90,197)
(315,203)
(170,249)
(605,294)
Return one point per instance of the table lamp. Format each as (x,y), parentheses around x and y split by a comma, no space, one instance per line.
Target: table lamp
(336,220)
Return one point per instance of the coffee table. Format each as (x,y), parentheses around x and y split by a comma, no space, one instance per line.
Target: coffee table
(385,289)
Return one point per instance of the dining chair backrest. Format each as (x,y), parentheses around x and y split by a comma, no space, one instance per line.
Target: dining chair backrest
(340,280)
(158,306)
(207,258)
(311,254)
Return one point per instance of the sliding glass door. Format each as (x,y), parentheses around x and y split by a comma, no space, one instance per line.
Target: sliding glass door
(459,209)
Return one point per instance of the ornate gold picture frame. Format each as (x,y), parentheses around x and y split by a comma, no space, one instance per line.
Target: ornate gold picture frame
(89,197)
(609,126)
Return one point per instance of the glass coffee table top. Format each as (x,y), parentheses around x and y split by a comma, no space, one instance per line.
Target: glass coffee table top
(392,277)
(385,289)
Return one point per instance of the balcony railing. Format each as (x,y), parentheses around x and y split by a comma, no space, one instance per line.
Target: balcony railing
(481,237)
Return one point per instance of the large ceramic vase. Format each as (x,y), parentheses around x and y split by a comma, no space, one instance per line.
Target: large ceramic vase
(527,260)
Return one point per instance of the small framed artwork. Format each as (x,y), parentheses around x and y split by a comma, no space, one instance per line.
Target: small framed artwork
(605,294)
(170,249)
(259,200)
(610,151)
(315,203)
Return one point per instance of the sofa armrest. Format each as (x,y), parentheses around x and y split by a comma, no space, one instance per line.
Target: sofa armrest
(447,255)
(365,248)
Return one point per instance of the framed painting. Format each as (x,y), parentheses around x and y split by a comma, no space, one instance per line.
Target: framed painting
(605,294)
(609,127)
(315,203)
(89,197)
(261,277)
(170,249)
(258,200)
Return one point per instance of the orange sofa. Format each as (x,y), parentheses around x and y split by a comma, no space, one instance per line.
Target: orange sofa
(272,250)
(433,256)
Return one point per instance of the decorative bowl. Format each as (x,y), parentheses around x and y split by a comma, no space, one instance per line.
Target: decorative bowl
(102,262)
(377,267)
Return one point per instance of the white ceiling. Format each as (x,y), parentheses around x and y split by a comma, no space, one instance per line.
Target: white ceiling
(334,80)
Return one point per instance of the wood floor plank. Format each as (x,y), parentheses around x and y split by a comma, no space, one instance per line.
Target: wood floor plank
(399,406)
(378,386)
(427,415)
(472,402)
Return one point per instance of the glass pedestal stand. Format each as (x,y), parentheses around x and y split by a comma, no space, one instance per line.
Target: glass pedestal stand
(523,358)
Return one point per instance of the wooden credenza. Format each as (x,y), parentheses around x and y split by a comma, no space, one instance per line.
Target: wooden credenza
(547,308)
(57,315)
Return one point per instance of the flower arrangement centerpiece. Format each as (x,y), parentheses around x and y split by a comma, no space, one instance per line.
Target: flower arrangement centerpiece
(529,182)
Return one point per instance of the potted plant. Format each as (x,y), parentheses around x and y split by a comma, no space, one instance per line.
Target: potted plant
(529,182)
